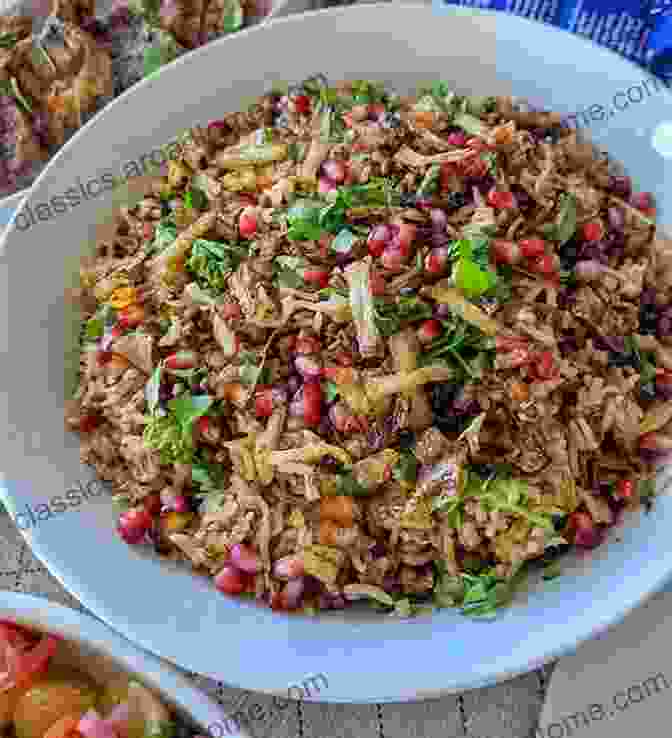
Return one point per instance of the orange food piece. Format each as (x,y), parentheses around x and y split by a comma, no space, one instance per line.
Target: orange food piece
(123,297)
(66,727)
(118,361)
(328,532)
(338,509)
(424,119)
(264,182)
(520,392)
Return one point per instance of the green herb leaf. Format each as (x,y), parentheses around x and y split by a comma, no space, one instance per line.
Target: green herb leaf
(406,469)
(95,327)
(188,408)
(160,729)
(8,40)
(346,484)
(208,477)
(152,389)
(552,570)
(211,262)
(565,226)
(331,391)
(195,198)
(164,234)
(430,182)
(296,151)
(252,370)
(232,16)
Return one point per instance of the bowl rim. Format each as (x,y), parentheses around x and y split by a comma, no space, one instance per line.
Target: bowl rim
(575,627)
(47,616)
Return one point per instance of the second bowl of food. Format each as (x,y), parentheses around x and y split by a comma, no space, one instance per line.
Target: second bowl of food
(374,338)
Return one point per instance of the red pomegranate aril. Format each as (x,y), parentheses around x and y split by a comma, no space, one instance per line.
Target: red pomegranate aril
(407,233)
(501,199)
(103,357)
(377,284)
(325,186)
(344,358)
(532,248)
(436,261)
(279,602)
(231,580)
(378,239)
(429,330)
(231,311)
(263,402)
(392,259)
(245,558)
(642,200)
(307,345)
(320,277)
(147,231)
(247,223)
(88,423)
(457,139)
(301,104)
(152,503)
(505,252)
(334,169)
(506,344)
(117,331)
(248,199)
(203,424)
(592,231)
(625,489)
(544,367)
(134,524)
(583,529)
(312,403)
(546,265)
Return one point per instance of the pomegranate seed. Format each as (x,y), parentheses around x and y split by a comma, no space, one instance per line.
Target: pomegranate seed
(334,169)
(378,239)
(344,358)
(307,345)
(301,104)
(129,317)
(245,558)
(387,472)
(312,403)
(320,277)
(392,259)
(279,602)
(457,139)
(134,524)
(544,367)
(324,242)
(436,261)
(181,360)
(249,199)
(231,581)
(505,252)
(325,186)
(88,423)
(152,503)
(203,424)
(592,231)
(625,488)
(532,248)
(360,147)
(642,200)
(505,344)
(429,330)
(117,331)
(546,265)
(263,402)
(407,233)
(247,223)
(231,311)
(377,284)
(147,231)
(501,200)
(103,357)
(347,119)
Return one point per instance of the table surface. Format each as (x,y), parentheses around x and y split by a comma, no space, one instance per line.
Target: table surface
(507,710)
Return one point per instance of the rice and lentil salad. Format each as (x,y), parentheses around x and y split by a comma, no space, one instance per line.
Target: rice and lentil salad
(358,345)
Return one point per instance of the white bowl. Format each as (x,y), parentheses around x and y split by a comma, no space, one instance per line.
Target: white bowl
(94,649)
(165,608)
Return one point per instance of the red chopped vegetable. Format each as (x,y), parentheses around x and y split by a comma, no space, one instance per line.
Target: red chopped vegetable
(592,231)
(532,248)
(231,580)
(320,277)
(625,489)
(263,402)
(429,330)
(544,366)
(436,261)
(505,252)
(247,223)
(501,200)
(301,104)
(312,403)
(231,311)
(89,423)
(307,345)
